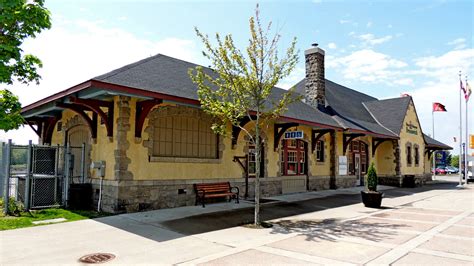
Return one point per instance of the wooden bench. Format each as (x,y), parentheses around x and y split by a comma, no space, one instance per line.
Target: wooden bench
(215,190)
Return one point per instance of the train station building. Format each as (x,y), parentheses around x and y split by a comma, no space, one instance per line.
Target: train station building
(144,121)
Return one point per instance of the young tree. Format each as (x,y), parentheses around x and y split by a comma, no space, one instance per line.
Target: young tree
(19,19)
(241,85)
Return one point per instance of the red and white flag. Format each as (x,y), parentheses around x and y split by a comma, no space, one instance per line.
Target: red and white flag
(467,91)
(437,107)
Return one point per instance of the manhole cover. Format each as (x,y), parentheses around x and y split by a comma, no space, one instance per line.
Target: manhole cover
(97,258)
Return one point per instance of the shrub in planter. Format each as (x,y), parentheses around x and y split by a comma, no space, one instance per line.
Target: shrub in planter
(372,198)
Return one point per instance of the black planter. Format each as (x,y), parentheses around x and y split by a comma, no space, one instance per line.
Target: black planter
(372,199)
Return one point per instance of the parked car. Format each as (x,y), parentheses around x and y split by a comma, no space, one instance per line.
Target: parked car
(439,171)
(451,170)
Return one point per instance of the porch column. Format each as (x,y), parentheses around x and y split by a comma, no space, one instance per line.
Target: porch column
(122,144)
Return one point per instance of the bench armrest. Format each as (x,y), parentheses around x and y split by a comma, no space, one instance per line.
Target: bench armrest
(235,188)
(200,192)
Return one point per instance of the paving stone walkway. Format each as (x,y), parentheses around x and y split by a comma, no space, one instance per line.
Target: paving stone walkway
(431,225)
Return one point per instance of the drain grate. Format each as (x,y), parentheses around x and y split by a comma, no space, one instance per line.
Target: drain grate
(97,258)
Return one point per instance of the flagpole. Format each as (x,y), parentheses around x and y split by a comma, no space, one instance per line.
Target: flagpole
(460,132)
(467,136)
(434,152)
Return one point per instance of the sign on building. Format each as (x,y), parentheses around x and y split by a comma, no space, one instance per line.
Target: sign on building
(294,135)
(440,158)
(411,128)
(342,165)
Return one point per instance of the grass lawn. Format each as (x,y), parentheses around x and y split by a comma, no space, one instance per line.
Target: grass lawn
(26,218)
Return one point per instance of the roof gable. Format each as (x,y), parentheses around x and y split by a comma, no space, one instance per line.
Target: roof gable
(390,112)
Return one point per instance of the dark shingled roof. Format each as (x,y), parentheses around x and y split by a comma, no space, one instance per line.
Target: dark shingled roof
(168,75)
(387,112)
(432,143)
(348,108)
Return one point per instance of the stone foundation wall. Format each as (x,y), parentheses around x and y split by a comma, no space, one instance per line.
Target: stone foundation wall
(316,183)
(394,181)
(132,196)
(427,177)
(397,181)
(346,181)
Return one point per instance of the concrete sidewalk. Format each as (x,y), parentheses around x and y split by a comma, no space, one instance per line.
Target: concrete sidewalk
(429,225)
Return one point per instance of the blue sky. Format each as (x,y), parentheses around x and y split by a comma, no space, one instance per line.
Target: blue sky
(382,48)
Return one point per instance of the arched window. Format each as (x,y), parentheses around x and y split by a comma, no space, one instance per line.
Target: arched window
(183,136)
(417,154)
(408,153)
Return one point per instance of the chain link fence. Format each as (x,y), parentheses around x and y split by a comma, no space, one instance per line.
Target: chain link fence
(39,176)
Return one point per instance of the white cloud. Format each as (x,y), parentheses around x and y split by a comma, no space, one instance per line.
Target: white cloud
(75,51)
(369,24)
(370,39)
(296,76)
(332,45)
(443,86)
(344,21)
(367,65)
(459,43)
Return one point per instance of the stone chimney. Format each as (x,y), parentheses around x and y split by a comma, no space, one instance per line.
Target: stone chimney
(315,81)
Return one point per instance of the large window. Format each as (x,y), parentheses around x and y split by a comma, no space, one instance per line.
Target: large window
(408,154)
(320,151)
(182,136)
(417,155)
(360,148)
(293,157)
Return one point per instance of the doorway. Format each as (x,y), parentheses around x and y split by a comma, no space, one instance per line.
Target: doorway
(79,162)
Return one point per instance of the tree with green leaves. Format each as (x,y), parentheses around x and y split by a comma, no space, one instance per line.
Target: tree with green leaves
(455,161)
(19,20)
(240,85)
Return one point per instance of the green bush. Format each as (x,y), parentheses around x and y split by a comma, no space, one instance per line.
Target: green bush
(15,207)
(372,179)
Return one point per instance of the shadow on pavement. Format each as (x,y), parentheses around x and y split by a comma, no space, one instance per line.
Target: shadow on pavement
(313,229)
(331,229)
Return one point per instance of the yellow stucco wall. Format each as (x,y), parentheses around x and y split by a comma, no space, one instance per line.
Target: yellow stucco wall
(384,159)
(428,163)
(143,168)
(101,148)
(407,137)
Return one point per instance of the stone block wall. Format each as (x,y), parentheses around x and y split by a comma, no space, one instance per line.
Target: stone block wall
(346,181)
(394,181)
(133,196)
(316,183)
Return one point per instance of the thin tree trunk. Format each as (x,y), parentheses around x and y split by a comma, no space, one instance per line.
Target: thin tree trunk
(257,170)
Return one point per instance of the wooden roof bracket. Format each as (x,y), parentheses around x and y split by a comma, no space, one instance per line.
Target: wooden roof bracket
(348,137)
(279,130)
(95,107)
(45,127)
(236,130)
(376,143)
(316,134)
(143,108)
(80,110)
(39,129)
(50,123)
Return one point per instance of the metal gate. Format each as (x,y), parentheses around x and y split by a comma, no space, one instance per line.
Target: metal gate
(39,176)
